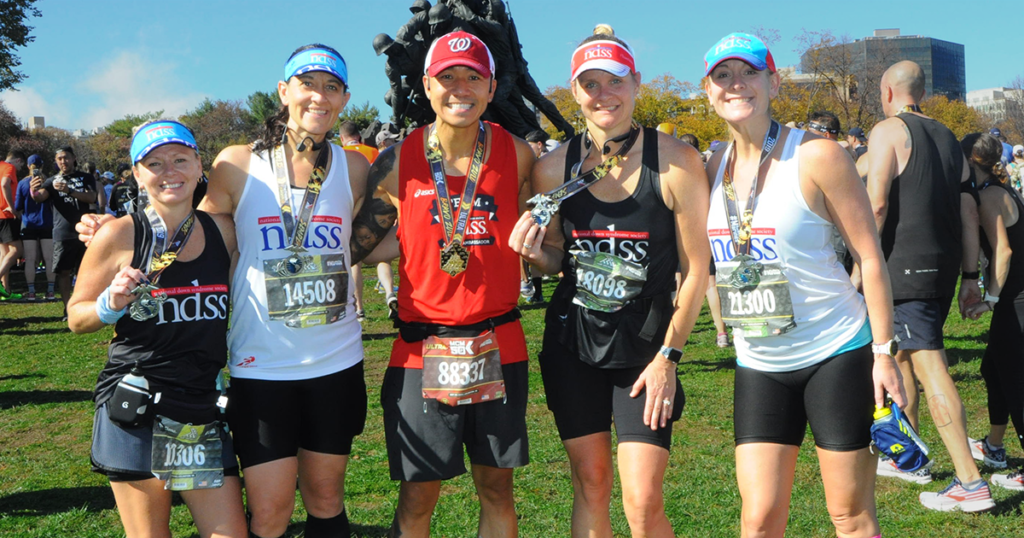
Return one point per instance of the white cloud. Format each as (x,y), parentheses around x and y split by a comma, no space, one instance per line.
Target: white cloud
(123,83)
(28,102)
(128,84)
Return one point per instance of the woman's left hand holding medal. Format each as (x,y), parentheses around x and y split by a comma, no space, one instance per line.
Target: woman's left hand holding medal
(527,238)
(122,287)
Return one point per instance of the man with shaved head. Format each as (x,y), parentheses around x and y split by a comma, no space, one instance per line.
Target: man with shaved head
(916,174)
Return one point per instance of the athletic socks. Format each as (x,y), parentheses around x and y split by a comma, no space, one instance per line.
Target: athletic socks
(49,287)
(32,288)
(538,288)
(335,527)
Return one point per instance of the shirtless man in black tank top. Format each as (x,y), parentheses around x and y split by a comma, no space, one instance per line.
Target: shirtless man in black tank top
(909,180)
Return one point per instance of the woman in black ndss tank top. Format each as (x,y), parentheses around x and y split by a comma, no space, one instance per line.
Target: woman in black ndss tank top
(1002,366)
(161,275)
(613,337)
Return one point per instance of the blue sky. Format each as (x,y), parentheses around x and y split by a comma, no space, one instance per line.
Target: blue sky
(95,61)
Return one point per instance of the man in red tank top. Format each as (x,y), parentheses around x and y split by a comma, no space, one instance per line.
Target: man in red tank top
(458,373)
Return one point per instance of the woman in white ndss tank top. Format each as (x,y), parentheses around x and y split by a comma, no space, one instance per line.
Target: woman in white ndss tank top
(802,331)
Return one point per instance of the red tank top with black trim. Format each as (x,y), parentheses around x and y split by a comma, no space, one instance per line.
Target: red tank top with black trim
(489,286)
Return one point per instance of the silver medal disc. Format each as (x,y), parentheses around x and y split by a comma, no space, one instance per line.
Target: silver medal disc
(147,306)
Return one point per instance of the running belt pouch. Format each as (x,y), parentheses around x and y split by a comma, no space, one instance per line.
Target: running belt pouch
(417,332)
(129,406)
(635,331)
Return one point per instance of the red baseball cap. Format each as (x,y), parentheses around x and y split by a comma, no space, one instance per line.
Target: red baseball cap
(459,48)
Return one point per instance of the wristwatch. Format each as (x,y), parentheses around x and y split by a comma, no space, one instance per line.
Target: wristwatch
(886,348)
(671,353)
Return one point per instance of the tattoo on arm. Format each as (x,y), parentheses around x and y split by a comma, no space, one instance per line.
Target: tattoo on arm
(378,214)
(906,130)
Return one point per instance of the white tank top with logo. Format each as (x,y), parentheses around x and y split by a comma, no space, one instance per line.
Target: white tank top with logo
(265,348)
(828,311)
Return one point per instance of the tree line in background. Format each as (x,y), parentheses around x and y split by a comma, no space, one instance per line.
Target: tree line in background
(216,124)
(829,82)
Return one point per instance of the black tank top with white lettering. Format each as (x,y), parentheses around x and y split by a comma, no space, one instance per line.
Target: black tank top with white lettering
(640,229)
(921,237)
(182,350)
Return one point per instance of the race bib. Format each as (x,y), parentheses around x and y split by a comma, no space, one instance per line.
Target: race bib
(606,282)
(462,371)
(755,298)
(314,294)
(187,457)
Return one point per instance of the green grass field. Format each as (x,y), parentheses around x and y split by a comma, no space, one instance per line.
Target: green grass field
(47,490)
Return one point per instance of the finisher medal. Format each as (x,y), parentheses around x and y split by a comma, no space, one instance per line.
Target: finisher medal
(454,258)
(747,274)
(292,265)
(147,306)
(544,207)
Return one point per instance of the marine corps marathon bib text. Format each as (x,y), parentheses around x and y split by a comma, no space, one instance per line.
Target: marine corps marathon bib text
(462,371)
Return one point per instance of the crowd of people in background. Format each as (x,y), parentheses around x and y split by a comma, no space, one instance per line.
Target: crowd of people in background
(857,240)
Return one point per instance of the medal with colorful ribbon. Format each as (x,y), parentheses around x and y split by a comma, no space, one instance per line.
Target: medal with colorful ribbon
(161,255)
(454,256)
(747,274)
(295,228)
(545,205)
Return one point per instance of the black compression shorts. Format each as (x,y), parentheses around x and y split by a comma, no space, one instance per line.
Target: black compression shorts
(585,399)
(272,420)
(835,396)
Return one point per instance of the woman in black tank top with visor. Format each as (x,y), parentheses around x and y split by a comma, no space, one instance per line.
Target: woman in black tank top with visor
(174,339)
(1002,366)
(613,337)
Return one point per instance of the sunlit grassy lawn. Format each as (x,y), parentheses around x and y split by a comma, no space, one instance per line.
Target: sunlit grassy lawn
(46,488)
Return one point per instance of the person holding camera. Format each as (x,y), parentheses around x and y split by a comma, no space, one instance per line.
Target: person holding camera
(70,192)
(36,230)
(157,427)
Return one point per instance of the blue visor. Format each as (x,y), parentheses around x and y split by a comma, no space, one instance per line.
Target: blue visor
(157,134)
(317,60)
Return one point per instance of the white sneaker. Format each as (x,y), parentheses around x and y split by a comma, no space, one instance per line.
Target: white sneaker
(956,497)
(887,467)
(992,456)
(1014,480)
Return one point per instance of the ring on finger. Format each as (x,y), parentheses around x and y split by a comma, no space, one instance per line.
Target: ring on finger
(666,401)
(527,245)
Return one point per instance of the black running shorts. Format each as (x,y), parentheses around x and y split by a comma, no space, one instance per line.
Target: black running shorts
(917,323)
(425,437)
(585,399)
(272,420)
(10,230)
(67,255)
(835,396)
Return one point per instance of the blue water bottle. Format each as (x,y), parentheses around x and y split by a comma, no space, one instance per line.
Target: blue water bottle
(896,438)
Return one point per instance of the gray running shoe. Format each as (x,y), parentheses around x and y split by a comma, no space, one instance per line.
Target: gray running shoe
(887,467)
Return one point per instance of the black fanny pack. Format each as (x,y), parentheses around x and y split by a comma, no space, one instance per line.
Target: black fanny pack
(417,332)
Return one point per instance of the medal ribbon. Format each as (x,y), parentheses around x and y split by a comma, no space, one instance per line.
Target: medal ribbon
(294,229)
(454,231)
(910,108)
(160,253)
(579,183)
(740,228)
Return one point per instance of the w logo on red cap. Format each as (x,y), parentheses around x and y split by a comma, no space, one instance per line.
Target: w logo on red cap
(459,44)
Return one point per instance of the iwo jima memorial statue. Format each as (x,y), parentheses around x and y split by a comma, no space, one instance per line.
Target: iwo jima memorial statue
(490,21)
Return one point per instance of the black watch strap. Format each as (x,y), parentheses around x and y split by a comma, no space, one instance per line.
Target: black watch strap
(970,276)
